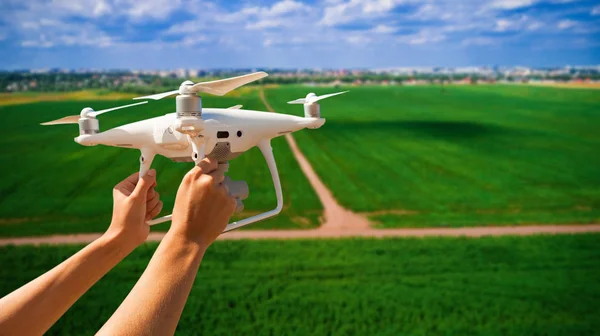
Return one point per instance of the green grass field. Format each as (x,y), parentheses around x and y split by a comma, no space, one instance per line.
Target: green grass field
(457,155)
(541,285)
(404,156)
(52,185)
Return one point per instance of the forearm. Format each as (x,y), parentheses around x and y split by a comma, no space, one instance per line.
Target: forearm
(156,302)
(35,307)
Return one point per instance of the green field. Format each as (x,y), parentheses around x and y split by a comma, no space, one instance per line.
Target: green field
(52,185)
(403,156)
(457,155)
(541,285)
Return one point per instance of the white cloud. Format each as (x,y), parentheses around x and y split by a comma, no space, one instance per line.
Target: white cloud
(422,37)
(102,8)
(186,27)
(383,29)
(535,25)
(503,25)
(41,43)
(522,22)
(282,41)
(285,7)
(193,40)
(344,12)
(595,10)
(511,4)
(357,39)
(80,38)
(154,9)
(566,24)
(264,24)
(47,33)
(430,11)
(378,6)
(279,9)
(258,18)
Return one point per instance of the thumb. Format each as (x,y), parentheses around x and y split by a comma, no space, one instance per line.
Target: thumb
(145,183)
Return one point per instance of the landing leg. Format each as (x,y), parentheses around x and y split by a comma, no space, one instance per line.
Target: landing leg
(267,151)
(198,148)
(146,160)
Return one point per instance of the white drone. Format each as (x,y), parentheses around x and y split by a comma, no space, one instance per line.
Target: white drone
(192,132)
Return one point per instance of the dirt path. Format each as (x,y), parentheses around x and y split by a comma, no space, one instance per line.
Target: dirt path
(336,217)
(339,222)
(332,234)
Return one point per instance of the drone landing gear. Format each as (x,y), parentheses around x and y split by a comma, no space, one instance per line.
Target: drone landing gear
(267,151)
(146,161)
(239,189)
(198,149)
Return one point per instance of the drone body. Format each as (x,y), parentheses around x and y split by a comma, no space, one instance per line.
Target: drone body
(227,133)
(193,133)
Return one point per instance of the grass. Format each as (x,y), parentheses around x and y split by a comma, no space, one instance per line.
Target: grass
(457,155)
(540,285)
(52,185)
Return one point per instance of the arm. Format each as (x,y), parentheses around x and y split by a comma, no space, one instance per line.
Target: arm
(202,209)
(35,307)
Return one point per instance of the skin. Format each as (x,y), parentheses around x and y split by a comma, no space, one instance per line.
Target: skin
(203,208)
(35,307)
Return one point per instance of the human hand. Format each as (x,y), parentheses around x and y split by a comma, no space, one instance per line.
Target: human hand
(203,205)
(135,202)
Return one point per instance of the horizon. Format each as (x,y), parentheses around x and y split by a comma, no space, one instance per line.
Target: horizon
(290,34)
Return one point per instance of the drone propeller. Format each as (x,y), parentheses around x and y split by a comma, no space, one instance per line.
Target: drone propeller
(217,87)
(235,107)
(311,98)
(87,112)
(74,119)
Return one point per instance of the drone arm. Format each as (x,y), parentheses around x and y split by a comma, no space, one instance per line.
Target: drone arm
(267,151)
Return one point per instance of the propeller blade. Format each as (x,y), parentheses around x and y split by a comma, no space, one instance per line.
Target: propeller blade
(311,98)
(97,113)
(158,96)
(326,96)
(74,119)
(223,86)
(298,101)
(235,107)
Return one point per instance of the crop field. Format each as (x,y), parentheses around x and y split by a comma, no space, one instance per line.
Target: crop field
(540,285)
(457,155)
(52,185)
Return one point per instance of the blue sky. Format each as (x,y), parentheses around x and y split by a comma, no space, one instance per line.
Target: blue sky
(166,34)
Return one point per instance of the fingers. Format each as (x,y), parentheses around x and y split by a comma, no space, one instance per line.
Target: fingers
(218,176)
(228,201)
(145,183)
(155,210)
(208,165)
(132,179)
(152,202)
(127,185)
(151,194)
